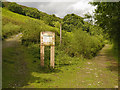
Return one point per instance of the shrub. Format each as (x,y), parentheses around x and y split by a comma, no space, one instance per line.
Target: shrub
(10,29)
(63,59)
(79,43)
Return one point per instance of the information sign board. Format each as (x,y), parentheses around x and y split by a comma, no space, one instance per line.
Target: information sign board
(47,38)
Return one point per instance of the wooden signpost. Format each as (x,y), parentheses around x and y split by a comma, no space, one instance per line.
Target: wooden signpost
(60,34)
(47,39)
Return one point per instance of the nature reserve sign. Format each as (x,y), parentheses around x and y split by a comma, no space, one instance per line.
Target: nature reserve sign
(47,39)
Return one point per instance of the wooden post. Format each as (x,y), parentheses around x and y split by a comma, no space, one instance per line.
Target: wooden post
(41,51)
(52,56)
(42,55)
(60,33)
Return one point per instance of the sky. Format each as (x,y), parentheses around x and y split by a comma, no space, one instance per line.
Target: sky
(60,7)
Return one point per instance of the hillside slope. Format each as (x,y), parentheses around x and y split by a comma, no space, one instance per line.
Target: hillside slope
(31,12)
(14,23)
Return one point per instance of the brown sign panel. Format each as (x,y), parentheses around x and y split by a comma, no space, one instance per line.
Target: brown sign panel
(47,38)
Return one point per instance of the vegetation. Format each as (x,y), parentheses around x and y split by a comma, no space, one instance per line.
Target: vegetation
(85,40)
(10,29)
(107,17)
(80,41)
(32,12)
(72,21)
(69,72)
(15,8)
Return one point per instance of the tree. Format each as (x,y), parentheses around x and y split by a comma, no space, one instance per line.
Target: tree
(32,12)
(89,18)
(15,8)
(72,21)
(107,16)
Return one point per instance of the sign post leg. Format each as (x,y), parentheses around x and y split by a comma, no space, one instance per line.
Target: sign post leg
(52,56)
(60,34)
(42,55)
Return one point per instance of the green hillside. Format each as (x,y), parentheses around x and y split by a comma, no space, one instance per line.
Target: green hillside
(31,12)
(14,23)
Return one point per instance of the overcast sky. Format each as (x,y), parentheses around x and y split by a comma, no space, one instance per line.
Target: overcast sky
(60,7)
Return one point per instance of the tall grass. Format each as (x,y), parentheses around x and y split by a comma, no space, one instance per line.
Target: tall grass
(10,29)
(32,29)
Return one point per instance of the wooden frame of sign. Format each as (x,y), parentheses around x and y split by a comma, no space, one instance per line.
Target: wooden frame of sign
(47,39)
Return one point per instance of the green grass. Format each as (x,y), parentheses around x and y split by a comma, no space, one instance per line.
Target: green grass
(53,78)
(22,69)
(113,51)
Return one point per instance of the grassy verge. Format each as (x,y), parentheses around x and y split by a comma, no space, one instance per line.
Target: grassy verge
(113,51)
(22,69)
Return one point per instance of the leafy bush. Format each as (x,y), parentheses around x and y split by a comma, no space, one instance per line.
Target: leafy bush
(62,59)
(79,43)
